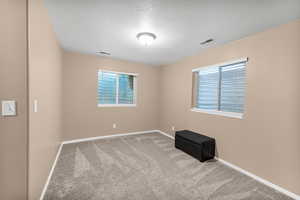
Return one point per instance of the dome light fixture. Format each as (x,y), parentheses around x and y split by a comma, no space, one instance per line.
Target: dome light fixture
(146,38)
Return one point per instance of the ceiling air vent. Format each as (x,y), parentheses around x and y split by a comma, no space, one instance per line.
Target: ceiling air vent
(207,41)
(103,53)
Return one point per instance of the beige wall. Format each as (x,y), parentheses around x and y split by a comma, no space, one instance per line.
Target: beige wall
(82,118)
(13,130)
(45,70)
(267,141)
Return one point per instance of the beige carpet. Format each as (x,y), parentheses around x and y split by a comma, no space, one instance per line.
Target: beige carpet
(146,167)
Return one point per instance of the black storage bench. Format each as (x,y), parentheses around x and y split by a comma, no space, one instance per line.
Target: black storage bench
(199,146)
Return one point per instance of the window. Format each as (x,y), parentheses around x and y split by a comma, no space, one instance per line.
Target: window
(116,89)
(220,89)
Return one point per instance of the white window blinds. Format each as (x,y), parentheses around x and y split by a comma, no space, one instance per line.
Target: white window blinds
(208,89)
(233,88)
(126,90)
(221,88)
(115,88)
(107,84)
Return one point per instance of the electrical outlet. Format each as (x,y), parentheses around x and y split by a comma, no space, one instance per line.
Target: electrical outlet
(173,128)
(114,125)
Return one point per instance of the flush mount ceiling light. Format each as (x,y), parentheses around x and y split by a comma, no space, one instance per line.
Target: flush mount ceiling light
(146,38)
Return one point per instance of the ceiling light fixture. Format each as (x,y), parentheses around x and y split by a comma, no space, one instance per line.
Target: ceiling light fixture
(146,38)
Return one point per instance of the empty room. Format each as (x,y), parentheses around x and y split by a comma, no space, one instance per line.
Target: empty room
(150,100)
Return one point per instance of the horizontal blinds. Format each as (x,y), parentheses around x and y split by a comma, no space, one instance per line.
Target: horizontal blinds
(107,85)
(126,90)
(232,88)
(208,84)
(221,87)
(116,88)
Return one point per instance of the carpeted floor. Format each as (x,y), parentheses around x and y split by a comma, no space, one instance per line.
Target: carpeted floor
(146,167)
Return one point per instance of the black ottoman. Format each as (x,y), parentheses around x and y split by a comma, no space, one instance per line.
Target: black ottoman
(199,146)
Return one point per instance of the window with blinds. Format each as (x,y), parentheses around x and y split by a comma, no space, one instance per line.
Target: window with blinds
(221,87)
(116,88)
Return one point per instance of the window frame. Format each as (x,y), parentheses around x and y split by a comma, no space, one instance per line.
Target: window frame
(216,112)
(135,77)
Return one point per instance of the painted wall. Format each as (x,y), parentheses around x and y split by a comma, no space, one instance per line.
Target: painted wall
(13,85)
(266,141)
(81,116)
(45,71)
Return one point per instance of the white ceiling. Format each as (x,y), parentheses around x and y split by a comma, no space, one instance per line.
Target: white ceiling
(89,26)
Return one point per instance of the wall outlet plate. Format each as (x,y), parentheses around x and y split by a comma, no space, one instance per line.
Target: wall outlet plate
(9,108)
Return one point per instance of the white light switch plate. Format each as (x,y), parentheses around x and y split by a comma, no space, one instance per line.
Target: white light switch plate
(9,108)
(35,106)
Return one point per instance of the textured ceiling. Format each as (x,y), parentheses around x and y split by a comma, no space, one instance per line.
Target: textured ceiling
(89,26)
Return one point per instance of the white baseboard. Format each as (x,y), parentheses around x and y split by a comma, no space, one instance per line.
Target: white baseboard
(259,179)
(51,172)
(166,134)
(107,136)
(83,140)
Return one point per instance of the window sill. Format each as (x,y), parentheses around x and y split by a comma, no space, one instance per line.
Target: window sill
(116,105)
(221,113)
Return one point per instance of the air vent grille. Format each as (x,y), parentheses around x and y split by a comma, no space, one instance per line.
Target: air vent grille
(103,53)
(207,41)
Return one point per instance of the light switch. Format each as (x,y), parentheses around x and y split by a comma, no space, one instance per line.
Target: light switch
(9,108)
(35,106)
